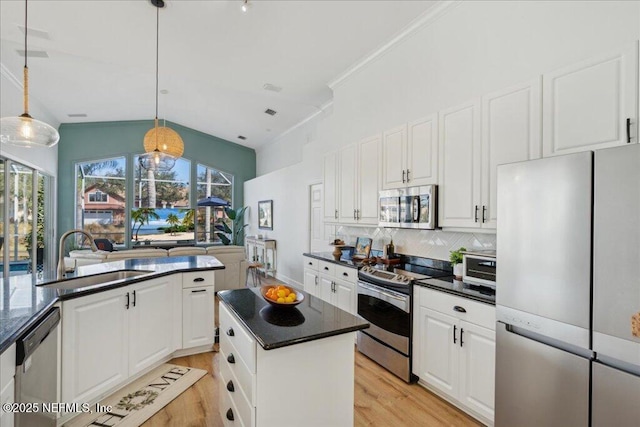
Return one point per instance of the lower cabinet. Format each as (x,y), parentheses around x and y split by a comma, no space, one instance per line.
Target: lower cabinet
(283,386)
(454,350)
(109,336)
(7,384)
(336,285)
(198,325)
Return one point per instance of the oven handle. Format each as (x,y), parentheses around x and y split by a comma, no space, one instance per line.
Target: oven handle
(402,302)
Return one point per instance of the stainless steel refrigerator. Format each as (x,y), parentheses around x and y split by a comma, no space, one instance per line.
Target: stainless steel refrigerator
(568,276)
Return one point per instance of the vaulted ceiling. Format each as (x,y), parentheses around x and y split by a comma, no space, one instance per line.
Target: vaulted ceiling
(214,60)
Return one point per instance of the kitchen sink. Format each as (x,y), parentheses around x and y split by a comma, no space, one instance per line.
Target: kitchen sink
(96,279)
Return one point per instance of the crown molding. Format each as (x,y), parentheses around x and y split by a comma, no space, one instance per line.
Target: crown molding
(428,17)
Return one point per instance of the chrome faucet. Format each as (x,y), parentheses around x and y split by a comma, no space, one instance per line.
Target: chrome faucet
(61,267)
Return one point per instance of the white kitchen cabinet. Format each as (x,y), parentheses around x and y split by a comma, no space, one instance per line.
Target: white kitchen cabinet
(7,384)
(151,318)
(359,182)
(337,285)
(198,313)
(454,350)
(511,132)
(587,105)
(411,154)
(511,123)
(311,276)
(330,187)
(253,381)
(95,344)
(459,168)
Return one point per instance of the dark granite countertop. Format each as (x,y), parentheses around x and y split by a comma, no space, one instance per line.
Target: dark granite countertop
(327,256)
(275,327)
(461,289)
(24,299)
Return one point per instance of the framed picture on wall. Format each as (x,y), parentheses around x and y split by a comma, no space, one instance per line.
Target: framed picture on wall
(265,215)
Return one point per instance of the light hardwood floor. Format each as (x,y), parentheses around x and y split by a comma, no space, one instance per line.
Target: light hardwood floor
(381,399)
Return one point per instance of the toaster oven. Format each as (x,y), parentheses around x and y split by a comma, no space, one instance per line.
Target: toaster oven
(479,268)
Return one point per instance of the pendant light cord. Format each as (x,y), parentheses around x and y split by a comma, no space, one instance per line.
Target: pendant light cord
(25,72)
(157,67)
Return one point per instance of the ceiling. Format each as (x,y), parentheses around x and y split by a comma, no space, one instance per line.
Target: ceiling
(214,59)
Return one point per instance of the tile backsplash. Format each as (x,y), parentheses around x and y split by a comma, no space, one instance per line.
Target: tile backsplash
(434,244)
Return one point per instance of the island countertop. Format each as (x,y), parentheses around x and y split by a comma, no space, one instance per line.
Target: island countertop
(275,327)
(24,299)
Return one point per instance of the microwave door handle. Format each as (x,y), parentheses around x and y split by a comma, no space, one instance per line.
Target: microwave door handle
(416,209)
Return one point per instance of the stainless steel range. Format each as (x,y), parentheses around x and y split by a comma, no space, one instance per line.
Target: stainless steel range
(384,300)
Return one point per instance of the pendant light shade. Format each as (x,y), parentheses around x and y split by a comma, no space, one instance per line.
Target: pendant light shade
(25,131)
(162,145)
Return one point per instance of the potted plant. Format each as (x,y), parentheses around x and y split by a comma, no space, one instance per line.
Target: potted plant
(233,235)
(456,262)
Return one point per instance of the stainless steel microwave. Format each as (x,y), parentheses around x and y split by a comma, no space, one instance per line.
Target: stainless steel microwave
(412,207)
(479,268)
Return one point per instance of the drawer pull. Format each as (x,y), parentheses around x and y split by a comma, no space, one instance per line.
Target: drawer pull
(345,274)
(230,386)
(231,359)
(326,268)
(230,332)
(198,290)
(230,415)
(310,263)
(459,309)
(198,279)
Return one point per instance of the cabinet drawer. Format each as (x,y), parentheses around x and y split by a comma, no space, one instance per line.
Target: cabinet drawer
(198,279)
(347,274)
(227,407)
(233,334)
(311,263)
(327,268)
(236,389)
(474,312)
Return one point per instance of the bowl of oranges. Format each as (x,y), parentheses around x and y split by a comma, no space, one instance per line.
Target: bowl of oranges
(281,296)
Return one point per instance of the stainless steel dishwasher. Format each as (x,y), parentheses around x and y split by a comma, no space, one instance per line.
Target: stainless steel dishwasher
(37,372)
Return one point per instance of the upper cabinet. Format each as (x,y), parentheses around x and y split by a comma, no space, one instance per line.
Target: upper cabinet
(410,156)
(592,104)
(353,177)
(509,120)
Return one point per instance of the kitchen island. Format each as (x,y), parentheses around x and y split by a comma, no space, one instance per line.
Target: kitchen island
(288,366)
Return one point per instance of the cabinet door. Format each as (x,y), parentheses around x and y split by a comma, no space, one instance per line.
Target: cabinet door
(326,288)
(369,155)
(586,105)
(329,176)
(95,334)
(394,145)
(438,364)
(460,159)
(511,132)
(198,316)
(7,418)
(151,321)
(422,151)
(345,296)
(347,184)
(311,282)
(477,368)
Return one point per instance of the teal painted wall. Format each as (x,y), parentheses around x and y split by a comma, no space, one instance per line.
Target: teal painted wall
(92,141)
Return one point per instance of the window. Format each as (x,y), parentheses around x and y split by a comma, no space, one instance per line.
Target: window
(162,189)
(98,197)
(211,183)
(101,182)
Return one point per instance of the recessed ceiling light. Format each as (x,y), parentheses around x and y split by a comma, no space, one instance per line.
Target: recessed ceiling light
(242,137)
(270,112)
(272,88)
(77,115)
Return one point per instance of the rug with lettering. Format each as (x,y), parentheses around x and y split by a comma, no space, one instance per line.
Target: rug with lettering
(135,403)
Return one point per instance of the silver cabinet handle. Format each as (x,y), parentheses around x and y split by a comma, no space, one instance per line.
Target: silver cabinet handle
(403,181)
(408,172)
(484,211)
(199,290)
(354,214)
(475,216)
(336,213)
(315,279)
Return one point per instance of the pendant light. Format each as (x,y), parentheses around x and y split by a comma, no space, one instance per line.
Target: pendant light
(156,160)
(24,130)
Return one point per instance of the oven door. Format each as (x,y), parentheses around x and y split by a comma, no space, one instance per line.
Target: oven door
(389,315)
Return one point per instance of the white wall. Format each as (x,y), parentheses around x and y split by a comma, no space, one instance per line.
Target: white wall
(474,48)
